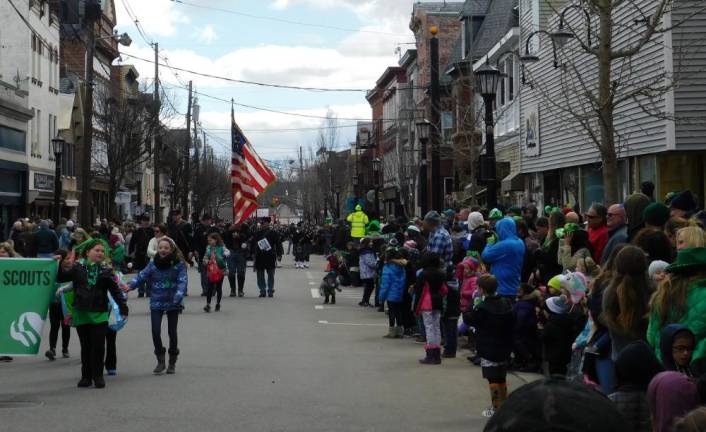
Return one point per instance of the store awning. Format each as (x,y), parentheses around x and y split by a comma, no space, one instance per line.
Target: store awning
(513,182)
(71,203)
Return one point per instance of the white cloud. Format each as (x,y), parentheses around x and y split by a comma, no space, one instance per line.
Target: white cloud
(294,66)
(157,17)
(207,34)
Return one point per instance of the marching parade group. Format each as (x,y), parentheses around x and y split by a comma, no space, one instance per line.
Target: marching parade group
(608,303)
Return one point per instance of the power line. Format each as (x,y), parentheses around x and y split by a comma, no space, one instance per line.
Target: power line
(285,21)
(255,83)
(275,111)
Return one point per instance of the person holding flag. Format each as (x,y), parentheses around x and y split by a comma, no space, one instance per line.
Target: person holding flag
(250,175)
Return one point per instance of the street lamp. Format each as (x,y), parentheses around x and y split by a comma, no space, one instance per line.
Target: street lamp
(423,132)
(123,39)
(487,78)
(376,170)
(57,145)
(338,202)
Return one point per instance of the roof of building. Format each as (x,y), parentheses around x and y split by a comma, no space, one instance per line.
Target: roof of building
(441,8)
(475,7)
(500,18)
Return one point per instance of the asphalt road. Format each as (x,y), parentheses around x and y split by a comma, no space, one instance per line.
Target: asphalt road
(280,364)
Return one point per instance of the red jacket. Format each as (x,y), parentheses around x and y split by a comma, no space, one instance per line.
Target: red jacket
(598,238)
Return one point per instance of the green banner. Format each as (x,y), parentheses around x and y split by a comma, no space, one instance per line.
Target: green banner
(27,286)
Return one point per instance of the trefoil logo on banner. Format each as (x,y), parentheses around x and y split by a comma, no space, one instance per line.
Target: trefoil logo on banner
(26,330)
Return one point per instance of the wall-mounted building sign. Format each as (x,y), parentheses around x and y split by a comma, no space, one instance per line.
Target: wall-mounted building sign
(531,136)
(43,182)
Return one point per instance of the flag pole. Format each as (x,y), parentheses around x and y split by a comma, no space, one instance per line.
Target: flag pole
(232,126)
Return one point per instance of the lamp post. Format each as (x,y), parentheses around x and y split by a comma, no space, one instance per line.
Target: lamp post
(487,78)
(376,170)
(338,202)
(58,149)
(423,131)
(435,119)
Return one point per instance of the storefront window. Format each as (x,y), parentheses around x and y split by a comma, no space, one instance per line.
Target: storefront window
(12,139)
(591,186)
(681,171)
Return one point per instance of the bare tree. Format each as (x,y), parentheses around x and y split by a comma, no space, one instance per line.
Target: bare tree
(125,126)
(600,73)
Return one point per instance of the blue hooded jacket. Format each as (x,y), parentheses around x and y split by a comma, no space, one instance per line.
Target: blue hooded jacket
(168,286)
(393,281)
(506,257)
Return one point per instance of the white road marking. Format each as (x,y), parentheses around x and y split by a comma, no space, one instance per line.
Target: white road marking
(312,283)
(353,324)
(315,293)
(322,307)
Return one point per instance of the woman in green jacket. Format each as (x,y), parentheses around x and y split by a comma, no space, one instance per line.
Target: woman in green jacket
(217,252)
(681,299)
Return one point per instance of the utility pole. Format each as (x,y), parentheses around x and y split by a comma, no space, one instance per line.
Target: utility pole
(187,153)
(156,143)
(436,181)
(86,177)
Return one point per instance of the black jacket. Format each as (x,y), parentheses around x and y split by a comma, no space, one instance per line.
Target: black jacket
(46,241)
(93,298)
(200,238)
(182,234)
(453,303)
(494,323)
(436,278)
(267,259)
(235,244)
(138,246)
(559,334)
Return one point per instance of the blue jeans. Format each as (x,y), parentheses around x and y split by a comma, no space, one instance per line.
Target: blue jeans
(204,278)
(172,322)
(270,287)
(450,329)
(45,255)
(605,369)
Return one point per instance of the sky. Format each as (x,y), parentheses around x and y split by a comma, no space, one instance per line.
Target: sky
(227,38)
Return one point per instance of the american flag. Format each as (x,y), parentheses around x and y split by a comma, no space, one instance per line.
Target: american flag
(250,175)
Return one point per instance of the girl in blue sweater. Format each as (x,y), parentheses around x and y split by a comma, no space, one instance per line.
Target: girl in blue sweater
(392,286)
(166,274)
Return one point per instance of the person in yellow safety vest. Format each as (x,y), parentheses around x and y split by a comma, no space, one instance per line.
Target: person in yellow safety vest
(358,221)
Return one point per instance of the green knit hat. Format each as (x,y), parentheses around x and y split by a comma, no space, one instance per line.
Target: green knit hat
(688,259)
(374,226)
(656,214)
(495,214)
(571,227)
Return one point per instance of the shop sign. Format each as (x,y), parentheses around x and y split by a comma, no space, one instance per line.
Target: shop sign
(43,182)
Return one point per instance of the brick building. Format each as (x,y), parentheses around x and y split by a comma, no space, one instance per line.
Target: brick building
(73,71)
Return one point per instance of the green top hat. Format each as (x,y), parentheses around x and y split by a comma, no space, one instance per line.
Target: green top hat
(688,259)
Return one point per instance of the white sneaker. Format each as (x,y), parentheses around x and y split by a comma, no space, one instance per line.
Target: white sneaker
(488,413)
(306,265)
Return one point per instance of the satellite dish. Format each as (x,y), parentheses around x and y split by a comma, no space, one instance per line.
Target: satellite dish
(370,196)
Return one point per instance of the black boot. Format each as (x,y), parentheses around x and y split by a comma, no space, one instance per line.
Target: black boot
(99,382)
(160,361)
(173,355)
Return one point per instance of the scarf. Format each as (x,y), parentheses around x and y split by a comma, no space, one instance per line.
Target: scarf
(163,263)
